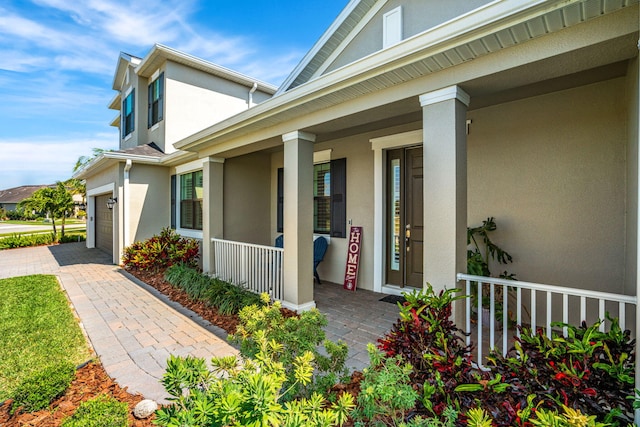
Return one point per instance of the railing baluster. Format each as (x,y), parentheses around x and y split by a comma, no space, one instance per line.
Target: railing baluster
(519,310)
(505,318)
(492,316)
(583,309)
(479,308)
(565,312)
(601,314)
(622,315)
(534,313)
(549,314)
(468,312)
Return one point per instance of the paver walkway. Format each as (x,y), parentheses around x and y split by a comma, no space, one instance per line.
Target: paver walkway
(133,328)
(130,327)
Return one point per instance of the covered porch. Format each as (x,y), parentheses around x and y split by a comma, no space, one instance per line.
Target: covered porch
(438,133)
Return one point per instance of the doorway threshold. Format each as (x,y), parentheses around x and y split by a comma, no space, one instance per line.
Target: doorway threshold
(397,290)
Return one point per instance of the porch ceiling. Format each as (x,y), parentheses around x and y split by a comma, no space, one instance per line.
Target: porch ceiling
(546,76)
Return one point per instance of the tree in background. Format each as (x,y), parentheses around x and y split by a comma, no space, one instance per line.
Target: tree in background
(77,186)
(85,160)
(56,202)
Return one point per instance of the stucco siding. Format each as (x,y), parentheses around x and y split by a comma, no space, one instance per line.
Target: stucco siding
(417,16)
(551,169)
(195,100)
(150,201)
(246,199)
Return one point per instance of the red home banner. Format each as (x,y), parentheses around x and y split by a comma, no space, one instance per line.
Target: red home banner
(353,258)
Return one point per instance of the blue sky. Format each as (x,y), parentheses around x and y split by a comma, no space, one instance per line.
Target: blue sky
(57,59)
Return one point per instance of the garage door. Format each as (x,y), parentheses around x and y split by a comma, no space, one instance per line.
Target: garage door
(104,225)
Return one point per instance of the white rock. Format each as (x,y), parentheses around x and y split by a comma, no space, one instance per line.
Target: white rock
(145,408)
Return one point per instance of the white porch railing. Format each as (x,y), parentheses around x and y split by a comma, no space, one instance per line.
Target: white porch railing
(506,297)
(256,268)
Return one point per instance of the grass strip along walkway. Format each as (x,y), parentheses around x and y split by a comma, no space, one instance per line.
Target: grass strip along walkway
(37,329)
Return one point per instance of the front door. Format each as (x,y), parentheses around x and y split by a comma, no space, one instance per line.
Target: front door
(404,217)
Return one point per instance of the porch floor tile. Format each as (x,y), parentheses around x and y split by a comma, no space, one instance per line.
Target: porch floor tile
(355,317)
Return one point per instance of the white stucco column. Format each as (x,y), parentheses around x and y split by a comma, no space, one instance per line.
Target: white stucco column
(444,115)
(212,208)
(298,220)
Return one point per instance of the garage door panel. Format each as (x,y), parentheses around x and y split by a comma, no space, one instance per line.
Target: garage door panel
(104,225)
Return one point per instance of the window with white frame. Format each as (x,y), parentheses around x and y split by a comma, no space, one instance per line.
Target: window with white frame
(155,101)
(128,114)
(191,191)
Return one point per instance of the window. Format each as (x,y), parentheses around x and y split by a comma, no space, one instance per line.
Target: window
(191,200)
(329,198)
(156,96)
(128,115)
(322,198)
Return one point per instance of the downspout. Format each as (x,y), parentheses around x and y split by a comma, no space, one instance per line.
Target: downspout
(253,89)
(125,207)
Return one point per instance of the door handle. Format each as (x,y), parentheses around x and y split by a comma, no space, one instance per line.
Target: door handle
(407,237)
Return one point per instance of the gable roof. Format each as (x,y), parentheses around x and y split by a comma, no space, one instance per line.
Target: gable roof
(159,53)
(350,17)
(17,194)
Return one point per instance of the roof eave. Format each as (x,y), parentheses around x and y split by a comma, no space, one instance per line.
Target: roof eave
(318,45)
(146,68)
(488,19)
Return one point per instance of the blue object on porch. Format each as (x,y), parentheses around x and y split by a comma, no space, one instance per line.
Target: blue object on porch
(319,249)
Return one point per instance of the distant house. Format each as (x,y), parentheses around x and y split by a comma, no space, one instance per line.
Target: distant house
(412,119)
(10,197)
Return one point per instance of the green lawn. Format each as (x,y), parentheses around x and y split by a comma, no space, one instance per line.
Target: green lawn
(37,328)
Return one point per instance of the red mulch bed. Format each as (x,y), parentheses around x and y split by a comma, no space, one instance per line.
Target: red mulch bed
(92,380)
(226,322)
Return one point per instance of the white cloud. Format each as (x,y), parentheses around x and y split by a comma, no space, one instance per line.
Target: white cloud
(46,160)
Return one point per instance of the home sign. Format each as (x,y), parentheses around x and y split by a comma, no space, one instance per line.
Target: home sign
(353,258)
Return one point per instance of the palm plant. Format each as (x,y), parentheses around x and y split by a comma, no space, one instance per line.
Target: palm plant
(54,201)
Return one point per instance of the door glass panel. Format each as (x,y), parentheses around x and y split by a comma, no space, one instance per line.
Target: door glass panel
(394,216)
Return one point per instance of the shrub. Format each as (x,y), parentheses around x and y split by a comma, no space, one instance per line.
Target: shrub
(296,335)
(40,389)
(226,297)
(25,240)
(161,251)
(71,238)
(426,337)
(250,394)
(588,370)
(101,411)
(386,394)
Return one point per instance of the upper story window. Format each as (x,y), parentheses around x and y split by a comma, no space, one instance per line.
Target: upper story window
(191,191)
(156,100)
(128,113)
